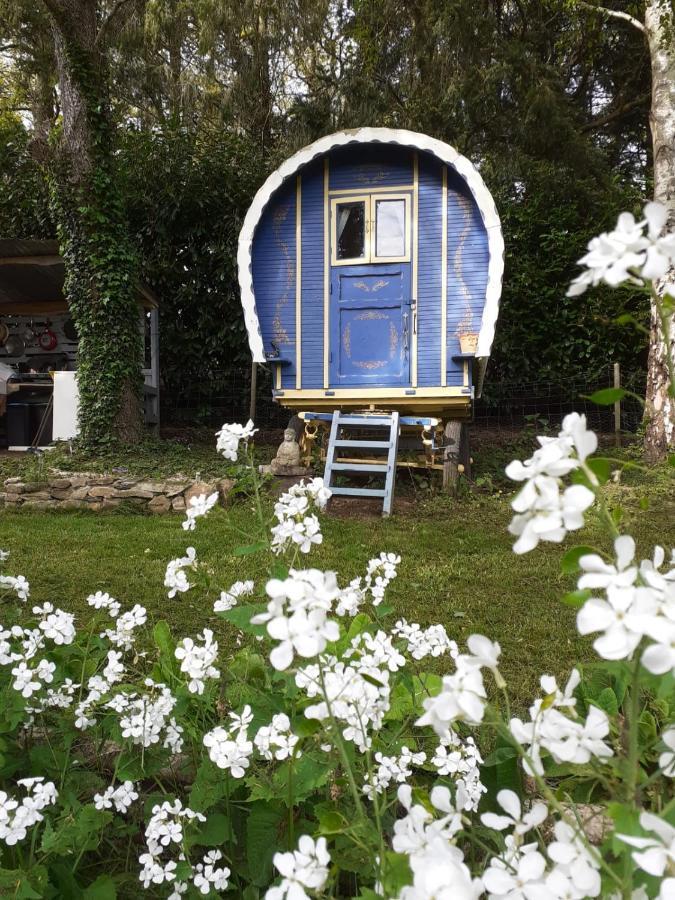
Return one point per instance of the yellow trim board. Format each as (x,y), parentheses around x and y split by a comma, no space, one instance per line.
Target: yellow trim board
(435,404)
(337,192)
(298,282)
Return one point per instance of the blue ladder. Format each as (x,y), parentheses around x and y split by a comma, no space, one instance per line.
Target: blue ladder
(343,421)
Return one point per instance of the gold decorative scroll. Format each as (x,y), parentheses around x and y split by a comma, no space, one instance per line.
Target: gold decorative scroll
(280,216)
(371,314)
(370,363)
(347,340)
(373,288)
(393,340)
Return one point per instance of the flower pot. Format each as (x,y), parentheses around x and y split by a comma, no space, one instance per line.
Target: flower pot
(468,342)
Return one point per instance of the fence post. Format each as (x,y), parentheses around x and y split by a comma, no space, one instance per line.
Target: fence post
(254,386)
(617,406)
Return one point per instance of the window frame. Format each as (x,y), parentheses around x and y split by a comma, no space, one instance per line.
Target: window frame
(370,201)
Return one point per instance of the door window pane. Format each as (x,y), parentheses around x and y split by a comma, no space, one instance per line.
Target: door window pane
(350,229)
(390,228)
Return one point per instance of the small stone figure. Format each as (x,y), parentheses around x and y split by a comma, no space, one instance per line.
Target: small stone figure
(287,461)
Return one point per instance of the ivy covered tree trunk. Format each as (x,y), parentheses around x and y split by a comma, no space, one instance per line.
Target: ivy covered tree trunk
(100,260)
(660,403)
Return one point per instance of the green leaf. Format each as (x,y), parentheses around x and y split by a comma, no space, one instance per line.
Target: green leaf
(371,680)
(671,460)
(76,831)
(607,396)
(213,832)
(208,787)
(607,700)
(601,468)
(264,836)
(500,755)
(162,636)
(101,889)
(569,565)
(576,599)
(241,617)
(25,885)
(305,773)
(250,548)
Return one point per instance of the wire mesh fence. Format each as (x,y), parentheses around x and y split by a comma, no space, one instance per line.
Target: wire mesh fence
(507,406)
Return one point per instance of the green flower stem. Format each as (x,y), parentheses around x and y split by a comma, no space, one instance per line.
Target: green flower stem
(341,747)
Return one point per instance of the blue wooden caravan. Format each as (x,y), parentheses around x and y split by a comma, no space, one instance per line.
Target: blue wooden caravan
(370,266)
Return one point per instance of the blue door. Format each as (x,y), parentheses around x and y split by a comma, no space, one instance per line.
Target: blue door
(370,309)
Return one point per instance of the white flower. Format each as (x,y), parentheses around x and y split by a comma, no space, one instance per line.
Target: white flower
(439,872)
(18,584)
(121,797)
(306,867)
(17,817)
(574,861)
(197,661)
(621,618)
(208,876)
(56,624)
(544,514)
(228,599)
(122,635)
(599,574)
(392,768)
(656,853)
(144,719)
(114,670)
(229,436)
(276,741)
(431,641)
(522,880)
(627,254)
(241,720)
(100,600)
(462,698)
(514,818)
(175,578)
(229,752)
(199,506)
(667,759)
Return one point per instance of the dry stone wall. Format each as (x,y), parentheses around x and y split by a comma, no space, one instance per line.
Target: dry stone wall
(83,490)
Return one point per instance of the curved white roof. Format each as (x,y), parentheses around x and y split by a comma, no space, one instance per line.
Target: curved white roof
(442,151)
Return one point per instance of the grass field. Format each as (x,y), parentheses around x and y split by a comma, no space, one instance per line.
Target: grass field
(457,566)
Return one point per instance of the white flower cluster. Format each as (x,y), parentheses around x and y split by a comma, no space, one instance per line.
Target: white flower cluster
(276,740)
(209,876)
(297,615)
(231,749)
(175,577)
(16,817)
(655,854)
(543,512)
(147,719)
(392,768)
(295,524)
(634,252)
(375,651)
(229,599)
(355,695)
(98,687)
(197,660)
(461,759)
(230,436)
(101,600)
(54,698)
(120,797)
(639,603)
(16,583)
(56,624)
(423,642)
(28,680)
(568,871)
(380,572)
(199,506)
(122,635)
(164,829)
(302,870)
(437,866)
(462,696)
(555,727)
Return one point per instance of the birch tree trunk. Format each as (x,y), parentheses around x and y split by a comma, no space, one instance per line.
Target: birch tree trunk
(660,405)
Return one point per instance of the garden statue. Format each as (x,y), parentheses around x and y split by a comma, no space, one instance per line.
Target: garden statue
(287,461)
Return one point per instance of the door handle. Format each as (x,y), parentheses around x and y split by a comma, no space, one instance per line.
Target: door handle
(405,335)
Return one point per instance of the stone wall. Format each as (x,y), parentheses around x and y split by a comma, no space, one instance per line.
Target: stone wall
(83,490)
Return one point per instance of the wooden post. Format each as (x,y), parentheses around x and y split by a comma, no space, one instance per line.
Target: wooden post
(254,386)
(453,433)
(617,406)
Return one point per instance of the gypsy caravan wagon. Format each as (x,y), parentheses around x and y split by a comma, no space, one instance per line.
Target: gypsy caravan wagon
(370,268)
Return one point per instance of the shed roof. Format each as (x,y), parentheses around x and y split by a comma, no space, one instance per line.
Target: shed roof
(32,273)
(395,136)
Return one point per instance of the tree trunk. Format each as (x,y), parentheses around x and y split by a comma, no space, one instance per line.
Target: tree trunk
(659,404)
(100,261)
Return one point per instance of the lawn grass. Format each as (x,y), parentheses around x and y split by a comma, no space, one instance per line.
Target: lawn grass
(457,567)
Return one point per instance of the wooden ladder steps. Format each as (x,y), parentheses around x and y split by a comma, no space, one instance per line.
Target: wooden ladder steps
(334,465)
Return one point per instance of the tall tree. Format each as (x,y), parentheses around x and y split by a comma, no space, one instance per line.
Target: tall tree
(70,41)
(655,20)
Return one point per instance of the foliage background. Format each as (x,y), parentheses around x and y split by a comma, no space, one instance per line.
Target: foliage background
(208,98)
